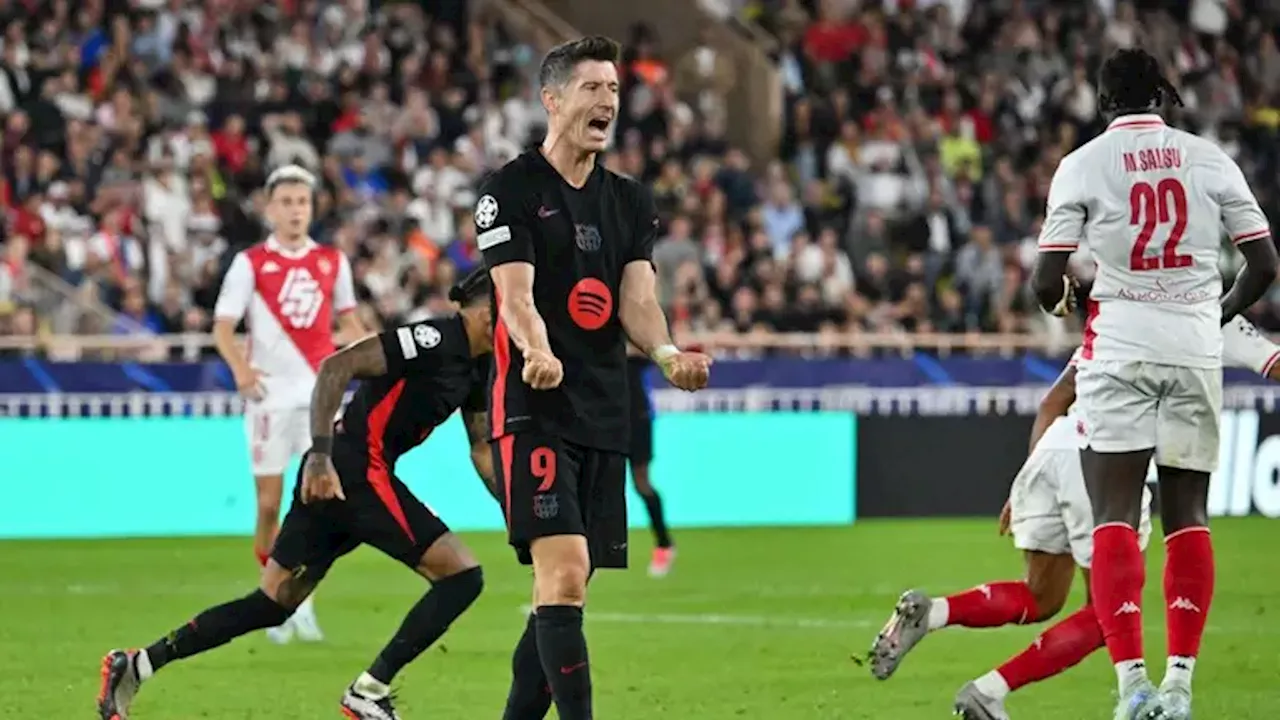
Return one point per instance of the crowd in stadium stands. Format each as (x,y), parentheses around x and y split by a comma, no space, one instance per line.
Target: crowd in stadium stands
(920,137)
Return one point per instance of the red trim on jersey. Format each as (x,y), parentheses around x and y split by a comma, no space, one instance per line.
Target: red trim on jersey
(1137,125)
(1091,314)
(1270,364)
(1057,248)
(1253,235)
(379,474)
(501,366)
(506,452)
(318,265)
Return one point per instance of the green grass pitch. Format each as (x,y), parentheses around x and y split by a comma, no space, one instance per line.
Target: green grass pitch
(756,624)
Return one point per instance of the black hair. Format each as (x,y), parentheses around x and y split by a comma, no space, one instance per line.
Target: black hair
(557,67)
(1131,81)
(475,286)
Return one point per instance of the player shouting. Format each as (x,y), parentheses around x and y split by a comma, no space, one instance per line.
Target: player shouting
(290,289)
(1149,200)
(415,377)
(1051,521)
(568,244)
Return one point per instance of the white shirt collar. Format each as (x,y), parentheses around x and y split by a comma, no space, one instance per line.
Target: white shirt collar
(1137,121)
(274,246)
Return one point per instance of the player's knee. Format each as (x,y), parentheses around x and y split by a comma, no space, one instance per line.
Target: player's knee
(640,476)
(563,583)
(464,586)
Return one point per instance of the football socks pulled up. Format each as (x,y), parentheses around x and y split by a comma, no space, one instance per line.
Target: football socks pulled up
(986,606)
(562,648)
(1118,574)
(429,619)
(530,695)
(217,626)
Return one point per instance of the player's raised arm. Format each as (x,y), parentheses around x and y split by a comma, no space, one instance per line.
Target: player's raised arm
(1060,236)
(1250,232)
(641,314)
(233,302)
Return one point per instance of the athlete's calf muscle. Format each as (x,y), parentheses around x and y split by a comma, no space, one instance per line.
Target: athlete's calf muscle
(287,587)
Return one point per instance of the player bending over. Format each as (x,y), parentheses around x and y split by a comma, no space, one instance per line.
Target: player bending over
(1051,520)
(1150,201)
(558,405)
(640,457)
(415,377)
(288,290)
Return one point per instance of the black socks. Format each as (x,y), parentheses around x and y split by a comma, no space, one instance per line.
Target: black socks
(563,650)
(448,598)
(218,626)
(657,519)
(530,695)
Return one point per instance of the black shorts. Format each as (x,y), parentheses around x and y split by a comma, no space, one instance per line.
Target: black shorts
(379,511)
(552,487)
(641,447)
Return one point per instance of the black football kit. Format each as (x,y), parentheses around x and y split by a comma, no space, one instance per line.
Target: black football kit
(560,454)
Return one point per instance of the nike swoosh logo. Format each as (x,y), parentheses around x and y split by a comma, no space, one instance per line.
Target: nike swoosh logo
(571,669)
(546,212)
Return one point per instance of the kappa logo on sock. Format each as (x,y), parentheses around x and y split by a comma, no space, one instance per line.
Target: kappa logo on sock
(1182,665)
(985,590)
(1181,603)
(1128,608)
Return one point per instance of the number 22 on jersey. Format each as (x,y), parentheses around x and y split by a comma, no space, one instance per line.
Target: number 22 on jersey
(1160,205)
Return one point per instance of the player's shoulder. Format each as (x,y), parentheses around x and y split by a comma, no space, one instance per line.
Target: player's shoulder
(626,188)
(517,174)
(443,335)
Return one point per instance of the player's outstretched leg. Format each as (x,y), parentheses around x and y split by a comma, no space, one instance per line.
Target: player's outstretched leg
(1060,647)
(124,670)
(664,550)
(456,582)
(1188,581)
(916,615)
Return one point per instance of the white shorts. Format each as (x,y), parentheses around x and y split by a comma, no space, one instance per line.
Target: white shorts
(1131,405)
(1051,509)
(275,437)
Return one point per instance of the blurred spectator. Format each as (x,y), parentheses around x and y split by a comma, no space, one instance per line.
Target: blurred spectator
(918,143)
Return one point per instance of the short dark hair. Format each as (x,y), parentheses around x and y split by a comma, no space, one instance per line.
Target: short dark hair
(1131,81)
(557,67)
(475,286)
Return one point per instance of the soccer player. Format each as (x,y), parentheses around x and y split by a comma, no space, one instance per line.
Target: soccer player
(1051,521)
(1149,200)
(568,245)
(290,289)
(415,377)
(640,456)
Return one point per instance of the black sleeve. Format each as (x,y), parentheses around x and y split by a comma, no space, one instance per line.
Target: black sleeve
(645,232)
(413,349)
(501,218)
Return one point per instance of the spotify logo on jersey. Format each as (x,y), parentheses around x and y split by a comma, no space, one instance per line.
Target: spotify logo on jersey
(590,304)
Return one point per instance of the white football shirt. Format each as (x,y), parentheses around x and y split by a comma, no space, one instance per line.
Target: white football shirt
(1150,202)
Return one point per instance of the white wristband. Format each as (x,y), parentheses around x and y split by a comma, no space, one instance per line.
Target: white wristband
(664,352)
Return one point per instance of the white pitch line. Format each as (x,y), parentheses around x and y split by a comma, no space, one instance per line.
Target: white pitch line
(777,621)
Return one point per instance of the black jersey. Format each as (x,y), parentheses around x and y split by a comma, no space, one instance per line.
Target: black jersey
(578,241)
(430,374)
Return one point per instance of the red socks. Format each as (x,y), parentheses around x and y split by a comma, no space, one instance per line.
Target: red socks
(1058,648)
(1119,573)
(990,605)
(1188,589)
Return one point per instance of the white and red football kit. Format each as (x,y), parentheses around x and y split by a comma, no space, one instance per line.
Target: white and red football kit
(291,298)
(1150,202)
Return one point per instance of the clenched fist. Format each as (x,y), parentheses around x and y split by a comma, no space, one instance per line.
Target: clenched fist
(542,370)
(688,371)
